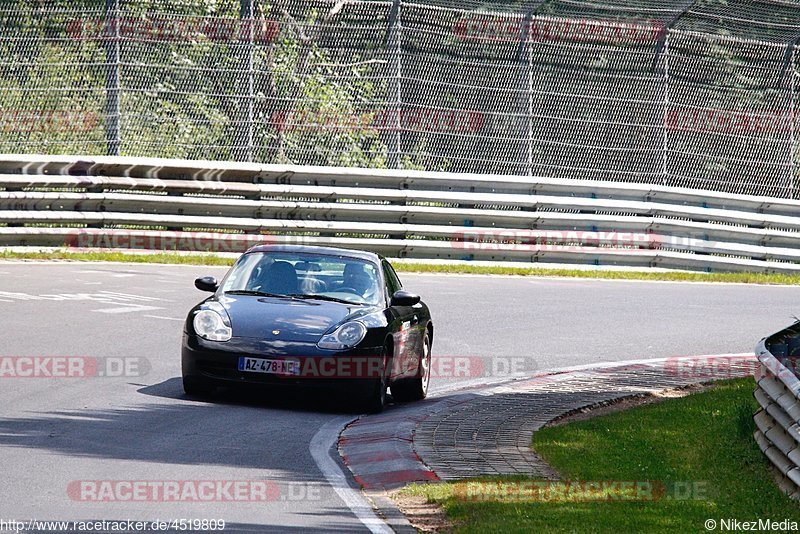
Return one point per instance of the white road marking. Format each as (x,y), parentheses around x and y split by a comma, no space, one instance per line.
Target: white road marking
(107,297)
(164,318)
(128,308)
(499,381)
(121,302)
(127,296)
(109,273)
(321,444)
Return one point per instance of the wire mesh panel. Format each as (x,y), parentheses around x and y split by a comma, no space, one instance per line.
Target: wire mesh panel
(695,93)
(729,116)
(597,99)
(464,91)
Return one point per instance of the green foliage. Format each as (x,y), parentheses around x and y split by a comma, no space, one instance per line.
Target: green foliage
(68,117)
(460,268)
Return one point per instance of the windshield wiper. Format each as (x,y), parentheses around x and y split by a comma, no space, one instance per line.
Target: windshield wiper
(260,294)
(325,297)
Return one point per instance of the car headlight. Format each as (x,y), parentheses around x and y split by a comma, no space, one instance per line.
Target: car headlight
(209,324)
(346,336)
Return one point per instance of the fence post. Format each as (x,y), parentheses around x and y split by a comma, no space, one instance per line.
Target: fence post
(527,44)
(793,119)
(665,148)
(246,118)
(111,40)
(525,58)
(394,36)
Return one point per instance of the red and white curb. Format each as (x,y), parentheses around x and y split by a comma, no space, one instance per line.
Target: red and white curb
(379,450)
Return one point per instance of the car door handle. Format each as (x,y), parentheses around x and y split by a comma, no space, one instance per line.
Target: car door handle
(414,321)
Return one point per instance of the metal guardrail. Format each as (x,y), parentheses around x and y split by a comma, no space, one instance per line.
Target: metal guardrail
(73,200)
(778,394)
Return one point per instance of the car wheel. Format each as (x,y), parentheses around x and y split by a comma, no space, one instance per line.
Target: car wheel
(416,388)
(197,387)
(375,396)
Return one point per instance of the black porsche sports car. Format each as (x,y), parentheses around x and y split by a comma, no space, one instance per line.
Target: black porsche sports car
(291,315)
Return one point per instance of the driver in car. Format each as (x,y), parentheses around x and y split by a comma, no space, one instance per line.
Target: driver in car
(356,278)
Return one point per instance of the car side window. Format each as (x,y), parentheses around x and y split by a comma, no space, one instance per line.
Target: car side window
(392,281)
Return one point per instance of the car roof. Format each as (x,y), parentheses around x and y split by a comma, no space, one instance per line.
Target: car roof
(331,251)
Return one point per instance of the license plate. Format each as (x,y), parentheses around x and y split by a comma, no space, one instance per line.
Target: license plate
(272,367)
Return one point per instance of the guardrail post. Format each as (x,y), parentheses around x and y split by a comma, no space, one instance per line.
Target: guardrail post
(111,42)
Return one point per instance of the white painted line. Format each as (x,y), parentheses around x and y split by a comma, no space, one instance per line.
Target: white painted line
(128,308)
(164,318)
(485,383)
(110,273)
(608,365)
(127,296)
(321,444)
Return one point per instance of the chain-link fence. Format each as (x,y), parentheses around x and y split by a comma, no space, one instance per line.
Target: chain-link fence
(698,94)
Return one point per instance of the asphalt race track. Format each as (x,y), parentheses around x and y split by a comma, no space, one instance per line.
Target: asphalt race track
(137,425)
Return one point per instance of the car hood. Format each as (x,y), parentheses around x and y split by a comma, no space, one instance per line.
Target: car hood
(293,320)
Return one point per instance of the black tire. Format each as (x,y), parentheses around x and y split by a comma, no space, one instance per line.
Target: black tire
(414,389)
(197,387)
(374,400)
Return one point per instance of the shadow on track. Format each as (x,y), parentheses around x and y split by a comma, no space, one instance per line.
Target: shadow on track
(248,430)
(284,399)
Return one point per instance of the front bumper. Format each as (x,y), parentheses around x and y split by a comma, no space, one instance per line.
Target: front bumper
(219,362)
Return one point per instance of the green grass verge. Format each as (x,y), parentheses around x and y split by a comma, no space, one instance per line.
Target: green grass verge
(701,444)
(744,278)
(159,257)
(200,259)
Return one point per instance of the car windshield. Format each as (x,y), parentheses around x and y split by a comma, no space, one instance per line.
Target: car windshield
(307,276)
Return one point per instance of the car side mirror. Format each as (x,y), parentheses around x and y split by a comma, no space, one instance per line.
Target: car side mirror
(404,298)
(207,283)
